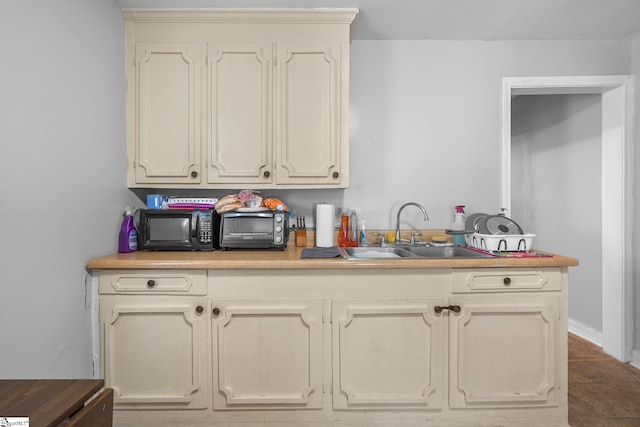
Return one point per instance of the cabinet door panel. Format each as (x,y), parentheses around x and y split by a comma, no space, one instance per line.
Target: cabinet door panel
(503,352)
(155,352)
(269,354)
(387,353)
(240,117)
(309,114)
(167,113)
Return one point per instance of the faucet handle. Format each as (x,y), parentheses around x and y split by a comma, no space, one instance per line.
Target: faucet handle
(383,238)
(413,240)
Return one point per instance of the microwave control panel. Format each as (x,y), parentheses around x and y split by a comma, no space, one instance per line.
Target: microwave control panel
(205,221)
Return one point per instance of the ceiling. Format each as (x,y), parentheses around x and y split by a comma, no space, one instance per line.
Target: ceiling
(459,19)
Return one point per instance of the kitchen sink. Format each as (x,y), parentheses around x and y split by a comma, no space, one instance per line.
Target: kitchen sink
(375,252)
(411,252)
(446,252)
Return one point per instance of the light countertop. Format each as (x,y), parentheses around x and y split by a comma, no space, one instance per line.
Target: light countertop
(290,259)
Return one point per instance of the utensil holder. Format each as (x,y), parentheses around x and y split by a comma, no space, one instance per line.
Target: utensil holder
(301,238)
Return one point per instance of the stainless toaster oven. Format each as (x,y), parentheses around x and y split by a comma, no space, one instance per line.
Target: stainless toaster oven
(261,229)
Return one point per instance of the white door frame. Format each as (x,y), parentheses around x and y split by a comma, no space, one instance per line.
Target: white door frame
(617,199)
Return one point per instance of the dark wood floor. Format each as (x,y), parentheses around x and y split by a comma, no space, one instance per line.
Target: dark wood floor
(603,392)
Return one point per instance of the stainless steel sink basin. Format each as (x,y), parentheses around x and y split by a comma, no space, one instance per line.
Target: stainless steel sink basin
(411,252)
(446,252)
(376,252)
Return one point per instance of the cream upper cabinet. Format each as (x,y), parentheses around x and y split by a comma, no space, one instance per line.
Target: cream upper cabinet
(227,99)
(309,107)
(163,119)
(240,148)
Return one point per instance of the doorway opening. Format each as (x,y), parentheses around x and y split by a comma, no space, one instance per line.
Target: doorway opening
(616,199)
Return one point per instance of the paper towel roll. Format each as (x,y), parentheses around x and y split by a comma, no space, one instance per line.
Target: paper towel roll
(325,216)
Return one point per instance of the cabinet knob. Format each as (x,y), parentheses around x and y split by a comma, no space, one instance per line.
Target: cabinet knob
(335,175)
(194,174)
(199,309)
(216,311)
(151,283)
(507,280)
(455,308)
(266,174)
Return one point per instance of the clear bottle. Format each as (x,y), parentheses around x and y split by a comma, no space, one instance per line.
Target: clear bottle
(128,240)
(458,225)
(353,229)
(364,239)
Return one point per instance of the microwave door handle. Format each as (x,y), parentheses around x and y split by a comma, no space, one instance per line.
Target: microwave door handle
(194,226)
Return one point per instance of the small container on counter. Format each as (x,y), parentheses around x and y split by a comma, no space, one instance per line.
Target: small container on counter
(343,237)
(353,229)
(364,239)
(458,226)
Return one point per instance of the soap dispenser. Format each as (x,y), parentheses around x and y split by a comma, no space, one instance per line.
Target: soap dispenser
(458,225)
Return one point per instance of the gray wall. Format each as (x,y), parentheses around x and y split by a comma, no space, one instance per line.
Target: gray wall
(62,176)
(425,126)
(557,187)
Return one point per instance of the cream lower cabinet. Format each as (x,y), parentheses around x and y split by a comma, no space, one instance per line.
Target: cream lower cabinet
(267,354)
(503,351)
(155,351)
(388,353)
(289,347)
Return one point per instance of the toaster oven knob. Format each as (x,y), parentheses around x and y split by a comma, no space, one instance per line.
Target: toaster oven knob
(278,218)
(278,229)
(278,239)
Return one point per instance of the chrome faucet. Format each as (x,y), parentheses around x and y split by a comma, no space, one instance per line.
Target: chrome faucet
(424,212)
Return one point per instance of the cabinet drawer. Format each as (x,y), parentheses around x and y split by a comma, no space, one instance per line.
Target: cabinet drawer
(505,280)
(180,282)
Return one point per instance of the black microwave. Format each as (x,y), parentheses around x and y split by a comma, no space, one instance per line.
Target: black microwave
(178,230)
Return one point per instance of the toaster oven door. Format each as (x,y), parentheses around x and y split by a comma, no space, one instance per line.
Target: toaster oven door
(247,231)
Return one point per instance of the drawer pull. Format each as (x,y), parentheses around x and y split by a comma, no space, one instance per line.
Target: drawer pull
(216,311)
(151,283)
(455,308)
(199,309)
(266,174)
(507,280)
(194,174)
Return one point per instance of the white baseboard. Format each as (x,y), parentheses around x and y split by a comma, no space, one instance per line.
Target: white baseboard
(590,334)
(635,358)
(586,332)
(93,282)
